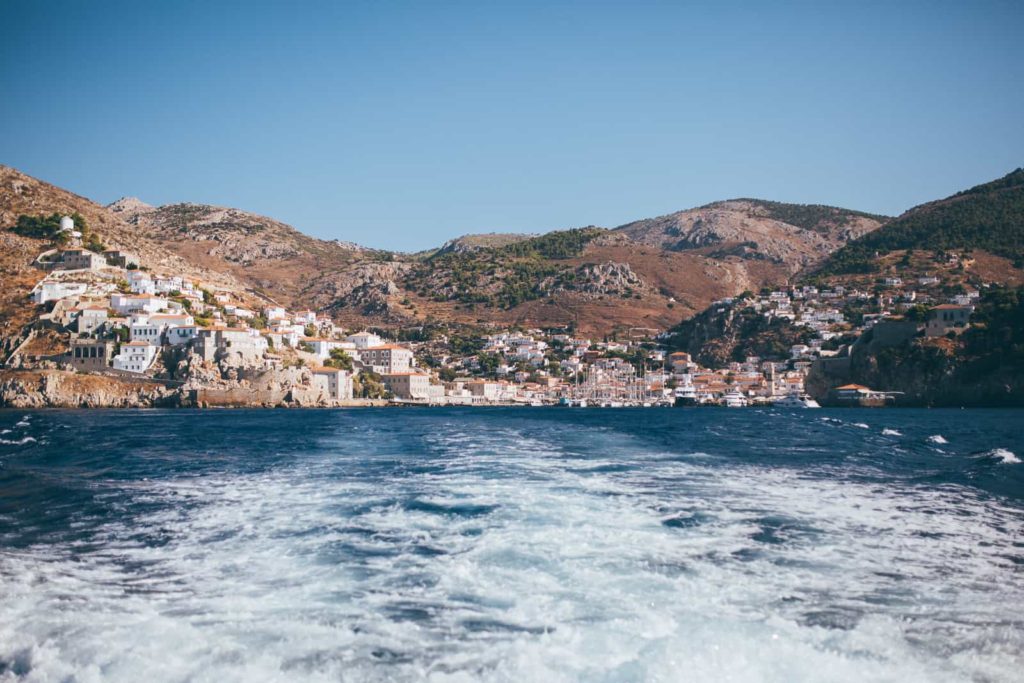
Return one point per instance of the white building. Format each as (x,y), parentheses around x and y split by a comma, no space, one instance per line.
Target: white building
(125,304)
(273,313)
(323,347)
(140,282)
(55,291)
(181,334)
(166,285)
(135,356)
(364,340)
(947,318)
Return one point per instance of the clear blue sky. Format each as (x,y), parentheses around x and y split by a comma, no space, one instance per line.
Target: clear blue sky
(400,125)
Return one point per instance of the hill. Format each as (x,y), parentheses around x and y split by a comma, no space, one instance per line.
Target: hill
(793,235)
(649,273)
(24,197)
(982,366)
(476,242)
(988,217)
(270,257)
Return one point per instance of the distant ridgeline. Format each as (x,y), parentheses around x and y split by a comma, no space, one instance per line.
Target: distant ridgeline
(503,276)
(816,217)
(989,217)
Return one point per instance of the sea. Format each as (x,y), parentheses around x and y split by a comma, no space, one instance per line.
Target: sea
(512,544)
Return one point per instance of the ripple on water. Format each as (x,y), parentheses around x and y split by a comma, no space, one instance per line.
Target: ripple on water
(507,552)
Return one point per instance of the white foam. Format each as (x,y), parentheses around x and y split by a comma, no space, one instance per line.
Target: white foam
(860,424)
(891,432)
(21,423)
(1004,456)
(561,572)
(18,442)
(937,438)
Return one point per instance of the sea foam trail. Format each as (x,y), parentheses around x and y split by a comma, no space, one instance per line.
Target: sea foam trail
(519,551)
(1004,456)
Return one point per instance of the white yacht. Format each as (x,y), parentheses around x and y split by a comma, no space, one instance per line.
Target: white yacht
(685,395)
(734,399)
(795,401)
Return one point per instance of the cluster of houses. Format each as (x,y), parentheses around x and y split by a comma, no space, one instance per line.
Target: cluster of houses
(122,317)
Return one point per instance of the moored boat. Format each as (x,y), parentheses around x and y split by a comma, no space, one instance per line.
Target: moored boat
(795,401)
(734,399)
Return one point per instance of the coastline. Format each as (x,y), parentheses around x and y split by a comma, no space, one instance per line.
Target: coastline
(44,389)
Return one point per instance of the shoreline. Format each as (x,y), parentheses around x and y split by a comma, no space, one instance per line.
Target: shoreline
(36,389)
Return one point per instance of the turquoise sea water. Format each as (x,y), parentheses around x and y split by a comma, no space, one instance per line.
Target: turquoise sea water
(533,544)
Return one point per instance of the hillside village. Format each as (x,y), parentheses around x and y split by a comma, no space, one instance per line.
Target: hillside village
(111,314)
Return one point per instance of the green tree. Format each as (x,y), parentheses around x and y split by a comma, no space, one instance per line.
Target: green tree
(339,359)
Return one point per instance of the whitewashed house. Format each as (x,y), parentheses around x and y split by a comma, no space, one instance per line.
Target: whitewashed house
(140,282)
(364,340)
(273,313)
(323,347)
(135,356)
(125,304)
(55,291)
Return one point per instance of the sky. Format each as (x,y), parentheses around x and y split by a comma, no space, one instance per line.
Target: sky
(400,125)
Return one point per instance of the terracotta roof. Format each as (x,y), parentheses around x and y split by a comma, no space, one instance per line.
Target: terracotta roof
(858,387)
(384,347)
(949,307)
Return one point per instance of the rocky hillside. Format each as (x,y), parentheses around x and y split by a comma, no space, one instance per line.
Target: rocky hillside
(23,195)
(270,257)
(792,235)
(649,273)
(983,366)
(477,242)
(988,217)
(732,332)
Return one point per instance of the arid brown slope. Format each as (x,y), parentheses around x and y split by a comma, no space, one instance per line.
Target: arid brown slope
(645,274)
(793,235)
(21,194)
(272,258)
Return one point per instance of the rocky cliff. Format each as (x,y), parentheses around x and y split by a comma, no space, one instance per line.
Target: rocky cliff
(982,366)
(67,389)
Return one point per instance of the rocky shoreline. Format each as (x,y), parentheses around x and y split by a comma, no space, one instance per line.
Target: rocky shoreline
(55,388)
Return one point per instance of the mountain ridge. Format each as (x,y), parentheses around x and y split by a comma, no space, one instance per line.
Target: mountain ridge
(632,275)
(987,216)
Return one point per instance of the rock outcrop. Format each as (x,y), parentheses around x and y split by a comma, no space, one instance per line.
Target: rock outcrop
(611,278)
(67,389)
